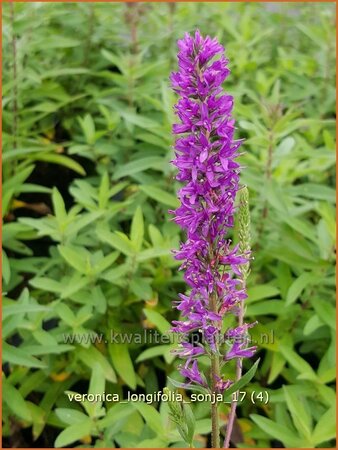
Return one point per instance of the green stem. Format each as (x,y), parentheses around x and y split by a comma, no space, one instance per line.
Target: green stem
(215,374)
(215,440)
(238,375)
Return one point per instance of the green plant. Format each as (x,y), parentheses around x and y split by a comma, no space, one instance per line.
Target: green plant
(86,188)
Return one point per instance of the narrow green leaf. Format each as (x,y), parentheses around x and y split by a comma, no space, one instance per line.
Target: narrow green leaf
(75,257)
(190,387)
(277,365)
(299,410)
(160,196)
(151,416)
(246,378)
(297,287)
(121,359)
(141,288)
(277,431)
(325,311)
(88,127)
(157,319)
(325,430)
(15,355)
(70,416)
(139,165)
(152,253)
(117,240)
(262,291)
(312,325)
(59,206)
(137,229)
(104,193)
(6,268)
(90,356)
(305,370)
(74,433)
(190,421)
(15,401)
(62,160)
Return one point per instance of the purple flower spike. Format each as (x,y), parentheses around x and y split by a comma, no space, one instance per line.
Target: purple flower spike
(205,156)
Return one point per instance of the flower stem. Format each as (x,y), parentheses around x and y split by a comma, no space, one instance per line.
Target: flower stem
(238,375)
(215,374)
(244,245)
(215,440)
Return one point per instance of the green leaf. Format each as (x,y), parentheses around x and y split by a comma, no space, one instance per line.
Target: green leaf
(59,206)
(157,319)
(6,268)
(245,379)
(116,274)
(121,359)
(74,284)
(325,430)
(21,175)
(301,226)
(15,355)
(275,196)
(9,310)
(117,240)
(190,421)
(62,160)
(137,229)
(313,191)
(191,387)
(277,365)
(325,240)
(15,401)
(46,284)
(152,253)
(297,287)
(305,370)
(325,311)
(157,442)
(88,127)
(74,433)
(104,191)
(141,121)
(141,288)
(70,416)
(299,410)
(91,356)
(96,386)
(105,263)
(153,352)
(151,416)
(160,196)
(139,165)
(262,291)
(118,412)
(275,307)
(46,349)
(277,431)
(75,257)
(312,325)
(66,314)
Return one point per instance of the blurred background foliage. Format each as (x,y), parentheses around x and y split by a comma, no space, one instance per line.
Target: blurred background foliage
(87,115)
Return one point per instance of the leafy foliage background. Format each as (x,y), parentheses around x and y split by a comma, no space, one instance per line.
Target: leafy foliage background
(87,184)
